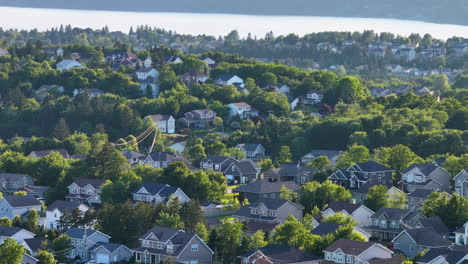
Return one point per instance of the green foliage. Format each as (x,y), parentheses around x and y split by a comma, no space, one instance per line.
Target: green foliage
(377,197)
(452,210)
(284,155)
(229,236)
(20,193)
(172,221)
(398,200)
(320,164)
(354,154)
(11,252)
(320,194)
(61,245)
(45,257)
(288,194)
(397,157)
(257,240)
(114,192)
(341,219)
(5,221)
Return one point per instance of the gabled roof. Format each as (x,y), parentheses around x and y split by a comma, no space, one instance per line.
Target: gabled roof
(324,229)
(290,169)
(340,206)
(8,231)
(35,244)
(247,166)
(323,152)
(265,186)
(420,193)
(216,159)
(163,234)
(249,146)
(424,168)
(241,104)
(349,247)
(76,232)
(63,206)
(395,214)
(163,190)
(157,118)
(96,183)
(45,152)
(21,201)
(225,77)
(425,237)
(13,177)
(272,204)
(282,254)
(111,247)
(370,166)
(452,254)
(164,156)
(131,154)
(436,223)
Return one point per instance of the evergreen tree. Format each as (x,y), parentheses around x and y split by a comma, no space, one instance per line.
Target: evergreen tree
(61,130)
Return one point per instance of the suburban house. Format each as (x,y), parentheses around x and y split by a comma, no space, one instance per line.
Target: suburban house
(241,109)
(162,159)
(68,64)
(461,183)
(92,92)
(413,241)
(216,163)
(151,82)
(269,211)
(156,193)
(387,223)
(198,118)
(165,123)
(209,61)
(313,97)
(417,197)
(10,206)
(45,152)
(161,243)
(34,245)
(425,176)
(434,222)
(358,212)
(229,79)
(195,77)
(133,157)
(290,172)
(369,172)
(85,191)
(13,182)
(461,235)
(242,171)
(324,228)
(264,189)
(57,209)
(107,253)
(16,233)
(46,89)
(350,251)
(82,239)
(332,155)
(278,254)
(145,73)
(252,151)
(450,255)
(360,194)
(174,59)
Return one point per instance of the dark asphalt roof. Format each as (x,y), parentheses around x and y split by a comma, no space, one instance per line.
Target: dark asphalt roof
(265,186)
(325,228)
(111,247)
(282,254)
(395,214)
(420,193)
(225,77)
(96,183)
(349,247)
(436,223)
(63,206)
(131,154)
(164,190)
(20,201)
(339,206)
(8,231)
(176,236)
(290,169)
(428,237)
(75,232)
(425,168)
(35,243)
(215,159)
(14,176)
(452,254)
(371,166)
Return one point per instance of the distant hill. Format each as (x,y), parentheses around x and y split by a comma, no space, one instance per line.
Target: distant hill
(438,11)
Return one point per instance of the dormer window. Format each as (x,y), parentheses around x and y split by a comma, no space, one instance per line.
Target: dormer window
(194,247)
(170,249)
(272,213)
(254,211)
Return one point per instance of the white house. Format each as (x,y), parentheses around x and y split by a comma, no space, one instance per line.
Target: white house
(229,79)
(144,73)
(209,61)
(313,97)
(68,64)
(358,212)
(174,59)
(461,235)
(85,191)
(350,251)
(156,193)
(241,109)
(92,93)
(58,208)
(10,206)
(165,123)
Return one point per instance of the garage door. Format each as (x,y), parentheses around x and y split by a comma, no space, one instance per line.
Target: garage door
(102,258)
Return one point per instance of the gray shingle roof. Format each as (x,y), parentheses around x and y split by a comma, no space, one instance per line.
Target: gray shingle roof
(249,146)
(265,186)
(349,247)
(325,228)
(282,254)
(339,206)
(225,77)
(248,166)
(216,159)
(289,169)
(420,193)
(20,201)
(35,243)
(427,237)
(436,223)
(8,231)
(131,154)
(78,233)
(13,177)
(452,254)
(395,214)
(96,183)
(63,206)
(111,247)
(425,168)
(371,166)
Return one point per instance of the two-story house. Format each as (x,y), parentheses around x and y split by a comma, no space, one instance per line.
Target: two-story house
(85,190)
(332,155)
(163,159)
(356,252)
(242,109)
(216,163)
(165,123)
(10,206)
(313,97)
(252,151)
(198,118)
(461,183)
(82,239)
(144,73)
(301,174)
(58,208)
(450,255)
(387,223)
(107,253)
(229,79)
(133,157)
(413,241)
(358,212)
(369,172)
(264,189)
(161,243)
(269,211)
(278,254)
(242,171)
(157,193)
(13,182)
(425,176)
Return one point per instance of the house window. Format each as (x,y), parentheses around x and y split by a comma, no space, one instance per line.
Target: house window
(412,247)
(195,247)
(380,178)
(170,249)
(349,259)
(272,213)
(352,183)
(246,261)
(397,246)
(216,166)
(272,195)
(339,258)
(327,255)
(254,211)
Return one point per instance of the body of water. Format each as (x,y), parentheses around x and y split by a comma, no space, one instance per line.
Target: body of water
(216,24)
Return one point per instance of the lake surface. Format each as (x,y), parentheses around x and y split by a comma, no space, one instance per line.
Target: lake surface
(216,24)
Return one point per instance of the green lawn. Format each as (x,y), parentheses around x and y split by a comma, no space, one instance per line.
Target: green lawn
(310,108)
